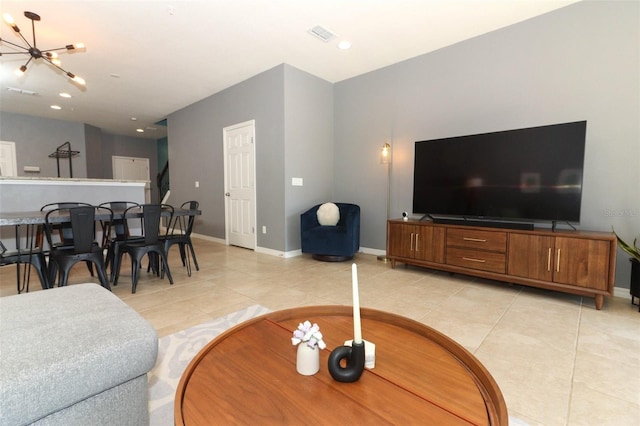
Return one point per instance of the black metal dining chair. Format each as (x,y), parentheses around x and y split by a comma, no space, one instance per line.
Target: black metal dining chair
(34,257)
(180,234)
(114,233)
(82,231)
(148,243)
(64,235)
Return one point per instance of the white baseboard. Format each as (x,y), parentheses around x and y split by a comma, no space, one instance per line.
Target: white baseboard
(208,238)
(374,252)
(263,250)
(621,292)
(272,252)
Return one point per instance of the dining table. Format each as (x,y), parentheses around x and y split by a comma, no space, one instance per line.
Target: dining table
(30,219)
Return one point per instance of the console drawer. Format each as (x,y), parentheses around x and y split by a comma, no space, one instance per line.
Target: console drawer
(477,239)
(476,259)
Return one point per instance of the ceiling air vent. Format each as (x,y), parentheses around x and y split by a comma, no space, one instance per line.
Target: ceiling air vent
(322,33)
(21,91)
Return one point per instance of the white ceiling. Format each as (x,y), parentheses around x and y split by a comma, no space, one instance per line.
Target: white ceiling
(170,54)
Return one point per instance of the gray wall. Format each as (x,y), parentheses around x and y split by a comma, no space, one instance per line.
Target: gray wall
(308,107)
(580,62)
(37,137)
(195,136)
(293,112)
(93,144)
(127,146)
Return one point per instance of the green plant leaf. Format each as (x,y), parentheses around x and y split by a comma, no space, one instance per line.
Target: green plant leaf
(632,250)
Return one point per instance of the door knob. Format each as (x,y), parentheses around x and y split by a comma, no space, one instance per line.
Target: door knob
(227,194)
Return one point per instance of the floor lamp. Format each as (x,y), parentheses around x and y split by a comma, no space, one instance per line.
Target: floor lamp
(385,158)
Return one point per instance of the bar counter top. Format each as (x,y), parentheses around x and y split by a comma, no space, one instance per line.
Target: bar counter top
(17,180)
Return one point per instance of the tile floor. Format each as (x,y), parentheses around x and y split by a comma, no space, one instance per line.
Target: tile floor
(557,360)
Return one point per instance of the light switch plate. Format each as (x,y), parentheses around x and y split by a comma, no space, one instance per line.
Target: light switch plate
(296,181)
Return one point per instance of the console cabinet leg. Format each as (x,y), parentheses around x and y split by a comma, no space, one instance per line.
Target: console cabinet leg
(599,301)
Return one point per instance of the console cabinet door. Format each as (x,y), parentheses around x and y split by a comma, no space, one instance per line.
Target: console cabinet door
(429,243)
(420,242)
(531,256)
(400,240)
(582,262)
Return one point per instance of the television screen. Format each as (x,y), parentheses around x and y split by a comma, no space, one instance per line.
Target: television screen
(532,174)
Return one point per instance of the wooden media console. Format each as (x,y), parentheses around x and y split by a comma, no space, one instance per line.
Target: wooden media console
(576,262)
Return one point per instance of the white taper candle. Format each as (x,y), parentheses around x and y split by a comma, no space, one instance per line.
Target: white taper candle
(357,331)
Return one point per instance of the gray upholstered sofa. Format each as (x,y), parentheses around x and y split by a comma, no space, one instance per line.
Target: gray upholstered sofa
(74,355)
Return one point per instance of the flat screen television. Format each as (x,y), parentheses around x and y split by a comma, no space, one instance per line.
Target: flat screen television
(524,175)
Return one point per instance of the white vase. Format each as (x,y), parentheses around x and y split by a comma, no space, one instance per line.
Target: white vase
(308,359)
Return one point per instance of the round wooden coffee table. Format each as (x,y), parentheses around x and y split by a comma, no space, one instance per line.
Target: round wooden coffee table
(247,375)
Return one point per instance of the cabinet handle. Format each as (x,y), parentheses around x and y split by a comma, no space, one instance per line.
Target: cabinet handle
(471,259)
(558,262)
(417,240)
(412,241)
(476,240)
(549,260)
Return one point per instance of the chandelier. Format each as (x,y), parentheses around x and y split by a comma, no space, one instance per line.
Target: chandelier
(48,55)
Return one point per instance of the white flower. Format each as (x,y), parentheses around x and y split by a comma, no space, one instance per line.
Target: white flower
(308,333)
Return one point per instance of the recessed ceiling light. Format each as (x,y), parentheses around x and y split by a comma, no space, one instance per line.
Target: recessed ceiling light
(64,95)
(344,45)
(114,75)
(56,107)
(133,119)
(140,130)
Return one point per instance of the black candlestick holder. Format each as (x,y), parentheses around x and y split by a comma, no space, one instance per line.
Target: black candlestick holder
(354,357)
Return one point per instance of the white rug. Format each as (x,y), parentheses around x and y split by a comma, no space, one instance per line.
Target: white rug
(174,354)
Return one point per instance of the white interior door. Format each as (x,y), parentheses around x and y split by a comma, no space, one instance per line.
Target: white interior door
(240,186)
(133,168)
(8,165)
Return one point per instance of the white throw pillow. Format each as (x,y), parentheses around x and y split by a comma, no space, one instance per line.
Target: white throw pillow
(328,214)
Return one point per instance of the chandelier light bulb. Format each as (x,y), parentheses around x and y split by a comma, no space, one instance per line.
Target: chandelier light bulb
(75,46)
(20,71)
(8,19)
(75,78)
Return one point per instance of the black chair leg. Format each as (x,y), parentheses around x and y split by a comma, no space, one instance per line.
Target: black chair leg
(193,255)
(183,254)
(52,273)
(39,262)
(89,267)
(165,265)
(102,275)
(41,268)
(64,276)
(134,273)
(115,267)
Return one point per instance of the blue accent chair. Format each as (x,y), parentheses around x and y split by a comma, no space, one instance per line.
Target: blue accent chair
(331,243)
